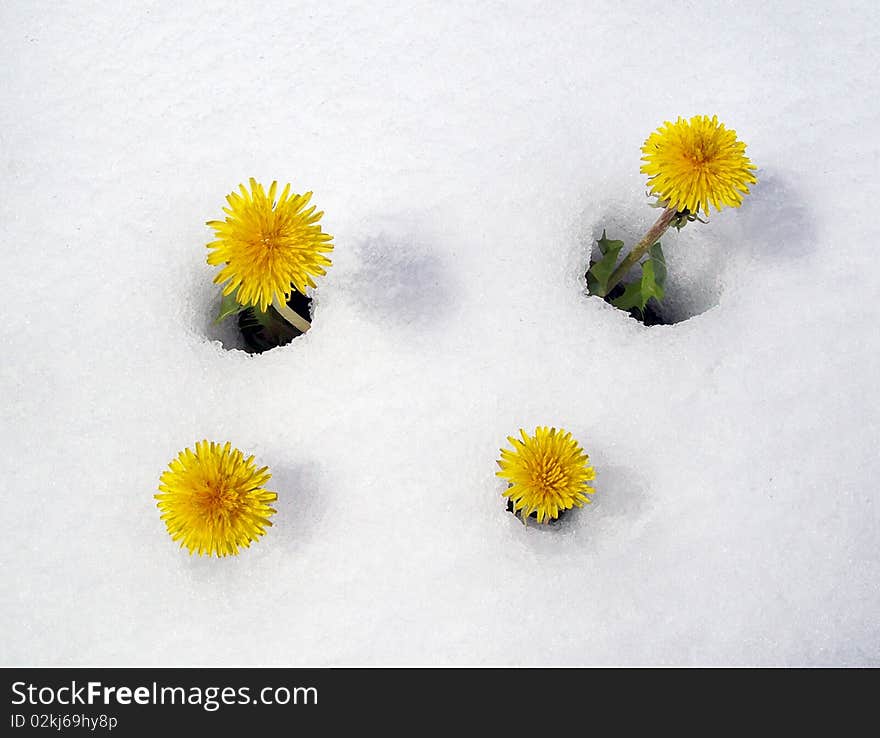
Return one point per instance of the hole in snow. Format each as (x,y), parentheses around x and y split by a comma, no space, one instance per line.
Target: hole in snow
(255,333)
(772,223)
(693,269)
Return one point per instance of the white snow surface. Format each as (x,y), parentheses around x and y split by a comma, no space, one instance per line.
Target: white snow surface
(466,155)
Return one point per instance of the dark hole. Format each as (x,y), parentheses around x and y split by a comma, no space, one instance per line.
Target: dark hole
(652,315)
(264,331)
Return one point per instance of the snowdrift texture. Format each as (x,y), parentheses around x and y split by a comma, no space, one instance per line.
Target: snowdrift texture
(467,155)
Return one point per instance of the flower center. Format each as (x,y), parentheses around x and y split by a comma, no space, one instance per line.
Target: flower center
(698,158)
(550,478)
(217,500)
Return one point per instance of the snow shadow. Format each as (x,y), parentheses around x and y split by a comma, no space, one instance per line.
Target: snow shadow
(620,496)
(299,504)
(400,280)
(774,220)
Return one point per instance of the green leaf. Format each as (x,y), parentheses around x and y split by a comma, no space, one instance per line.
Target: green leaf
(651,284)
(654,275)
(656,254)
(607,245)
(631,299)
(600,271)
(229,306)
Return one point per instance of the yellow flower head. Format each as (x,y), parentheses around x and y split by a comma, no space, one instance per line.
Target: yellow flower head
(693,162)
(267,246)
(213,499)
(547,473)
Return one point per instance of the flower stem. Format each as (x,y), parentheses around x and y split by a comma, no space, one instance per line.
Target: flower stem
(639,250)
(292,317)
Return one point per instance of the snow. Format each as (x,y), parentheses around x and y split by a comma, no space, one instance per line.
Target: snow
(466,155)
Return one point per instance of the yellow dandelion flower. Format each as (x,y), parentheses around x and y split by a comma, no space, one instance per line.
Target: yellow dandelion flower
(213,499)
(267,246)
(693,162)
(547,473)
